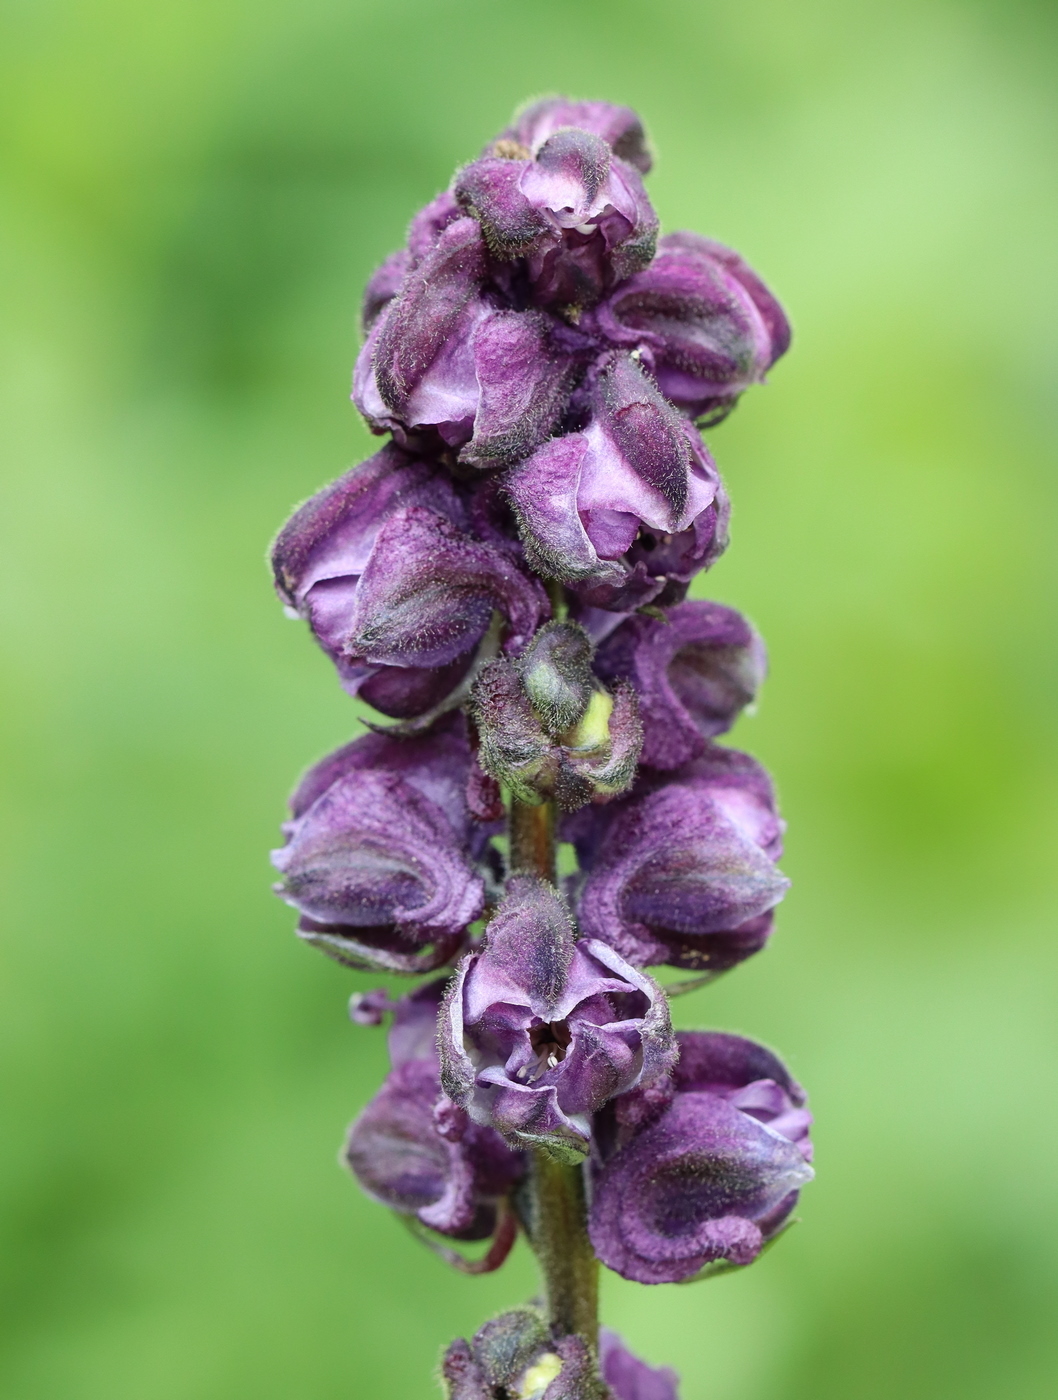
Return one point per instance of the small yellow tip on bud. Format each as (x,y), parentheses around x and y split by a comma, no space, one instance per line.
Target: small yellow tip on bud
(539,1376)
(593,729)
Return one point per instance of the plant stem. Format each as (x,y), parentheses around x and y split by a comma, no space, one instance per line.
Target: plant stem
(557,1213)
(564,1252)
(532,833)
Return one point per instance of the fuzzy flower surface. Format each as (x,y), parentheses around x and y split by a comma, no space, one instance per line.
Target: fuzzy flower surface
(683,871)
(694,670)
(380,852)
(539,1030)
(398,588)
(414,1151)
(706,1178)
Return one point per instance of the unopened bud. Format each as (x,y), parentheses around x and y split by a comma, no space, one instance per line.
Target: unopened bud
(548,727)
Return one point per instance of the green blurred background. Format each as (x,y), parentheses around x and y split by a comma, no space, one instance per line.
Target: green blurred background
(194,195)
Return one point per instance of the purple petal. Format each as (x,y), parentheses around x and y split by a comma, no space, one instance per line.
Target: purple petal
(490,190)
(528,952)
(428,593)
(376,861)
(689,1191)
(567,175)
(685,865)
(383,286)
(628,1377)
(422,361)
(430,222)
(523,383)
(694,672)
(708,326)
(619,127)
(400,1158)
(543,491)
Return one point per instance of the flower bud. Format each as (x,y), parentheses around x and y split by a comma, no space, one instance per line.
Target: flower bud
(547,727)
(445,360)
(396,589)
(694,670)
(567,204)
(683,871)
(515,1356)
(538,1030)
(705,1184)
(628,510)
(414,1151)
(619,127)
(701,319)
(379,857)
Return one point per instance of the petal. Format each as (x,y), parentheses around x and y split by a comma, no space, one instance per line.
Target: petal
(331,535)
(567,174)
(688,1190)
(630,1378)
(522,387)
(685,862)
(720,1062)
(490,190)
(428,593)
(421,320)
(373,853)
(544,492)
(694,672)
(528,952)
(620,127)
(383,285)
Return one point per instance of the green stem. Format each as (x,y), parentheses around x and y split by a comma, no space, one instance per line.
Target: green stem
(557,1214)
(563,1250)
(532,833)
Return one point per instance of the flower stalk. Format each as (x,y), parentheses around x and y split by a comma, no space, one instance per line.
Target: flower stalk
(506,579)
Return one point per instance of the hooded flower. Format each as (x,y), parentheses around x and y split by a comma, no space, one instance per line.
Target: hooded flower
(396,588)
(694,670)
(414,1151)
(449,361)
(556,194)
(538,1030)
(619,127)
(704,323)
(630,509)
(378,860)
(548,728)
(703,1181)
(683,871)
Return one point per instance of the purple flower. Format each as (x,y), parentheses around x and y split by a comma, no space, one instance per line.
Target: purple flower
(704,1181)
(515,1356)
(694,671)
(628,1377)
(565,201)
(628,510)
(703,322)
(413,1150)
(448,361)
(394,585)
(378,860)
(548,728)
(619,127)
(539,1030)
(683,871)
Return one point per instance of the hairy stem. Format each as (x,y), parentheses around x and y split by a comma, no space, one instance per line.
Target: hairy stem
(557,1214)
(560,1239)
(532,832)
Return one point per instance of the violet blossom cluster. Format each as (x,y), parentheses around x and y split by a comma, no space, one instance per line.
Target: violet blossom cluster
(506,579)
